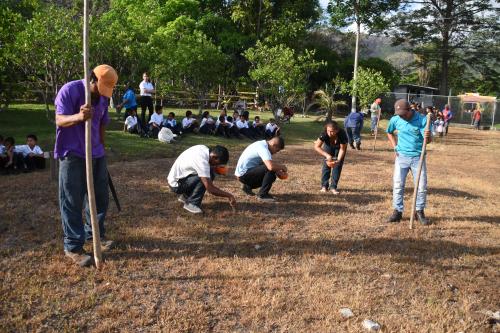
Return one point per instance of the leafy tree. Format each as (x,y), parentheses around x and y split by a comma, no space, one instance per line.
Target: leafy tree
(367,12)
(368,85)
(280,73)
(438,30)
(389,73)
(186,58)
(13,16)
(49,49)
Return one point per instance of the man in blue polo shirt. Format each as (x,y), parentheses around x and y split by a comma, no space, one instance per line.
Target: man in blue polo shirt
(410,127)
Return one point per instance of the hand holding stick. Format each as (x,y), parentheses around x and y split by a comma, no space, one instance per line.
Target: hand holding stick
(419,170)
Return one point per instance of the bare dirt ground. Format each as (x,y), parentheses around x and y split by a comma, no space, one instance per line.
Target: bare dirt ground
(283,267)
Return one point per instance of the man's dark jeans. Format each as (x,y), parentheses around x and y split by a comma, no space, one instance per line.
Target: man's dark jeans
(259,176)
(193,188)
(73,198)
(327,171)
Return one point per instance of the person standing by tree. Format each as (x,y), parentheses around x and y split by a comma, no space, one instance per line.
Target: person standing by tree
(147,89)
(71,114)
(332,145)
(410,127)
(353,125)
(447,114)
(375,114)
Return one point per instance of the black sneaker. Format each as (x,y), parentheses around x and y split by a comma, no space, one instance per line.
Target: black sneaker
(419,214)
(248,190)
(395,217)
(266,198)
(352,145)
(358,145)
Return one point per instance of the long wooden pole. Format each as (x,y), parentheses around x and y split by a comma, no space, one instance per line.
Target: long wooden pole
(96,237)
(419,171)
(376,130)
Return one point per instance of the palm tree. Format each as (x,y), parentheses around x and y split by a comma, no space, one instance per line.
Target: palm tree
(326,101)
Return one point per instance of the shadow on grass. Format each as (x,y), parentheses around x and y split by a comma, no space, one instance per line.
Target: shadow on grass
(448,192)
(479,219)
(417,251)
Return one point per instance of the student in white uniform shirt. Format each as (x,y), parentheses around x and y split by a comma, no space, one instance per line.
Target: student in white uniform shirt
(272,129)
(258,127)
(189,124)
(32,154)
(222,127)
(243,127)
(156,122)
(256,167)
(171,124)
(207,125)
(146,89)
(192,174)
(132,123)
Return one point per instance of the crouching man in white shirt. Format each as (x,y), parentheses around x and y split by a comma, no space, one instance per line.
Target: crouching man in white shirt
(192,174)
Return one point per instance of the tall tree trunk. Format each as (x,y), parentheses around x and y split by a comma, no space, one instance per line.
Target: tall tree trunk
(445,60)
(356,55)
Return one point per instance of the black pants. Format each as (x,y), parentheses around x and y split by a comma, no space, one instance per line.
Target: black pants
(326,171)
(259,176)
(223,131)
(34,162)
(207,129)
(175,129)
(146,103)
(193,188)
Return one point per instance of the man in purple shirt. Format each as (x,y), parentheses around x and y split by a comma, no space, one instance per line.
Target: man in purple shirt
(71,114)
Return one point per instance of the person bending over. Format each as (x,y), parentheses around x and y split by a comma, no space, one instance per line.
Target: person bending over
(193,173)
(256,167)
(332,145)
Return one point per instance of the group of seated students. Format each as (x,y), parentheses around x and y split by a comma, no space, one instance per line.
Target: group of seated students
(236,126)
(20,158)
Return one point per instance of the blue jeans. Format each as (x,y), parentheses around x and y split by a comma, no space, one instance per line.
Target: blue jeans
(353,134)
(73,199)
(402,165)
(373,123)
(326,171)
(193,188)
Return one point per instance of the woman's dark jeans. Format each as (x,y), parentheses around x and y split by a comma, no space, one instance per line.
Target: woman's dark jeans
(327,172)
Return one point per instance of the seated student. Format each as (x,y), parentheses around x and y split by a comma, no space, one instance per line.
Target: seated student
(233,129)
(222,127)
(256,168)
(132,124)
(243,127)
(32,154)
(207,125)
(2,147)
(236,116)
(258,127)
(272,129)
(189,123)
(171,124)
(11,160)
(192,174)
(129,101)
(156,121)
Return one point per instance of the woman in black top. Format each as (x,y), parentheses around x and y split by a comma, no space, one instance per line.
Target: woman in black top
(332,145)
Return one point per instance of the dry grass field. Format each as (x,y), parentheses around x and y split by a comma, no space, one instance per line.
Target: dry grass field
(283,267)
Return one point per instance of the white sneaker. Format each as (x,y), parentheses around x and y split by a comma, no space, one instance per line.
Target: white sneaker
(323,190)
(192,208)
(182,198)
(334,191)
